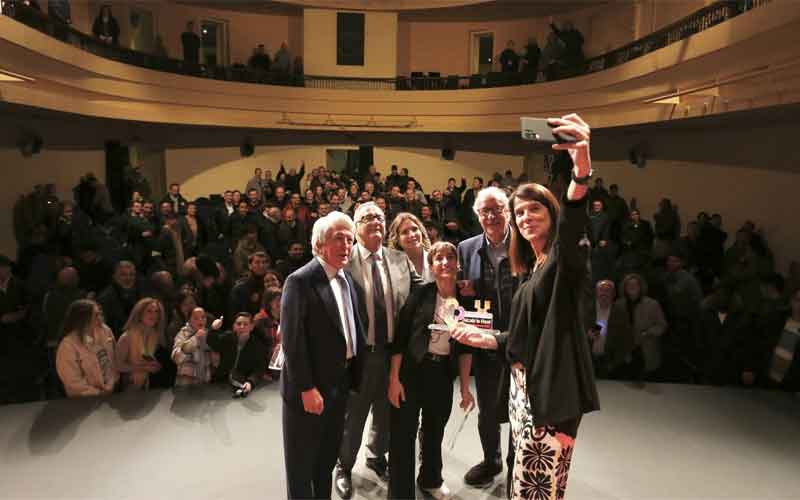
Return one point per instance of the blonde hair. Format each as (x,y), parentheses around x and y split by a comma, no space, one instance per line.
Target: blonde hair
(394,231)
(135,325)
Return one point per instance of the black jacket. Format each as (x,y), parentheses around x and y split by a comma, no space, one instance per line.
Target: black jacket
(247,365)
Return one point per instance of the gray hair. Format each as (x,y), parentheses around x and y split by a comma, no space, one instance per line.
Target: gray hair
(319,233)
(490,192)
(362,208)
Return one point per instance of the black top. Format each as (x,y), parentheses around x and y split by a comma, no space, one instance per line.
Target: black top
(546,332)
(191,46)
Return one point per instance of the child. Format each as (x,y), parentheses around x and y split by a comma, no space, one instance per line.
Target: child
(190,351)
(243,355)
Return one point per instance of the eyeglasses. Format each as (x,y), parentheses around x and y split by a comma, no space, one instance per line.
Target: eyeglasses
(371,218)
(496,212)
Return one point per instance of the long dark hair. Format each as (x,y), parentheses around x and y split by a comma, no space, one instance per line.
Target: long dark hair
(78,317)
(520,252)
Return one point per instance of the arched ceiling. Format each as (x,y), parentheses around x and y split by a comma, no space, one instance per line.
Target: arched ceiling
(412,10)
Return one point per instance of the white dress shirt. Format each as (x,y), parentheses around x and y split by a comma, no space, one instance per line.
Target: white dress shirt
(338,294)
(366,274)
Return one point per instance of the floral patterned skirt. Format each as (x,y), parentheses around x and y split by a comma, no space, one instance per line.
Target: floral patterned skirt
(542,455)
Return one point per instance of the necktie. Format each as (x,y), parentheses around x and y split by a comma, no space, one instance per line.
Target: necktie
(350,327)
(378,299)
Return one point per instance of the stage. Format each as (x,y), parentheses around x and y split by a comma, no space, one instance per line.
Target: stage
(651,442)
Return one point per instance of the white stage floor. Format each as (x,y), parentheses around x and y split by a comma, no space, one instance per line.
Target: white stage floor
(655,442)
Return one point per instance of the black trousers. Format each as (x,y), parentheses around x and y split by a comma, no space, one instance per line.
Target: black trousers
(428,388)
(311,444)
(488,370)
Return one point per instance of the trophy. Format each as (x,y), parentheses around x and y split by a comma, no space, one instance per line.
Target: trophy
(479,320)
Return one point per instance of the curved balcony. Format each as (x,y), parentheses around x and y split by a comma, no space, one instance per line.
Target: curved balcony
(746,62)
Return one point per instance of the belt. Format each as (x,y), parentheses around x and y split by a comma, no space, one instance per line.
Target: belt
(437,358)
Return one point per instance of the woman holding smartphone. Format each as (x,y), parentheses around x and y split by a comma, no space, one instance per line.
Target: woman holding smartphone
(549,380)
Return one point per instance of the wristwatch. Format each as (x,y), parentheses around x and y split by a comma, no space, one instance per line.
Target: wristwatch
(582,181)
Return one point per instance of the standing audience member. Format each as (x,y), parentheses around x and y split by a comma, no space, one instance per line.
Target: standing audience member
(118,299)
(85,357)
(59,13)
(635,327)
(137,347)
(509,59)
(246,293)
(191,44)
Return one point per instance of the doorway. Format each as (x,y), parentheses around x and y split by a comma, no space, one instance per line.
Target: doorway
(214,49)
(481,52)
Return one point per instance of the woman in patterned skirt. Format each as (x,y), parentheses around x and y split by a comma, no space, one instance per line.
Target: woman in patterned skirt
(549,381)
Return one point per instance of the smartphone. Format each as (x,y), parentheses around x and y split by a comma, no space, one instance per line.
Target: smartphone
(540,130)
(148,357)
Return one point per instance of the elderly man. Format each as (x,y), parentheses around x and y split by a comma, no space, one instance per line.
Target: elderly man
(118,299)
(323,338)
(486,274)
(383,279)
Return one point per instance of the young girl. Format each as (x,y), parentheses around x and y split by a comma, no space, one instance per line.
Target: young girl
(190,351)
(85,356)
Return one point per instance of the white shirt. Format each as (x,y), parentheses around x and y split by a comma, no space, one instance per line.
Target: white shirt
(338,294)
(440,339)
(366,274)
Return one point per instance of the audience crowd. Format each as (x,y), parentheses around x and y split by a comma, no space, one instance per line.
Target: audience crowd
(170,290)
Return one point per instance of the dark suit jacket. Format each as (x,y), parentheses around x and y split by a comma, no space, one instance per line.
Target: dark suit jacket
(313,342)
(402,276)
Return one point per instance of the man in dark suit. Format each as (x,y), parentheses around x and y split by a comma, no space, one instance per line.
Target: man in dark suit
(322,339)
(384,279)
(486,275)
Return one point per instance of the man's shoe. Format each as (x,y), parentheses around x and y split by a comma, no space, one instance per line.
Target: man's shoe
(440,493)
(380,467)
(482,474)
(343,483)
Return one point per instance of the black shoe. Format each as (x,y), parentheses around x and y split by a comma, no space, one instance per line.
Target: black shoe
(380,467)
(343,483)
(482,474)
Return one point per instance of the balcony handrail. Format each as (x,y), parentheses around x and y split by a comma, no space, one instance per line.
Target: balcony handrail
(696,22)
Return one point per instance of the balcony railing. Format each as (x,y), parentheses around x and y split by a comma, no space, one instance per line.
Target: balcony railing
(705,18)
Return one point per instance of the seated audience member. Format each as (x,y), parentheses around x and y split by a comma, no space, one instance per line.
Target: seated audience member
(682,306)
(106,27)
(635,327)
(118,299)
(412,204)
(243,355)
(190,350)
(94,271)
(85,356)
(193,231)
(137,349)
(211,286)
(184,305)
(247,246)
(408,235)
(423,366)
(667,227)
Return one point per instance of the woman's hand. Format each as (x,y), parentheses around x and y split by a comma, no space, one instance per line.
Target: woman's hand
(574,125)
(472,337)
(396,392)
(467,401)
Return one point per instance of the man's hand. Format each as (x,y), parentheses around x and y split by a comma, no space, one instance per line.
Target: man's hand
(396,392)
(602,243)
(313,402)
(247,387)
